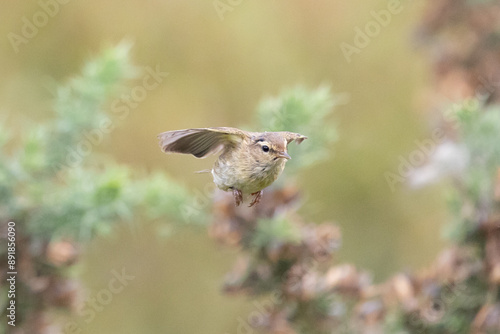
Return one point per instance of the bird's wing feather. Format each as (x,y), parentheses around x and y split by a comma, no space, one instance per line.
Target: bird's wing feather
(200,142)
(291,136)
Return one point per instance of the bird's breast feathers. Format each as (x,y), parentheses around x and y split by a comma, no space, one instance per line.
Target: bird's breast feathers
(249,178)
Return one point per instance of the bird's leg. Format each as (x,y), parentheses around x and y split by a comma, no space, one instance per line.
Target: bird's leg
(238,196)
(256,199)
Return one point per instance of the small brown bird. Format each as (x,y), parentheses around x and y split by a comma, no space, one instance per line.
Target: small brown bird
(248,163)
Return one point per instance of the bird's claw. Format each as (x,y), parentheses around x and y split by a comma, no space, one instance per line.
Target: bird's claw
(257,195)
(238,196)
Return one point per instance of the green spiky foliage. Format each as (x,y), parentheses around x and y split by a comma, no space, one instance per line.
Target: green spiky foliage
(47,183)
(305,111)
(480,131)
(455,301)
(55,186)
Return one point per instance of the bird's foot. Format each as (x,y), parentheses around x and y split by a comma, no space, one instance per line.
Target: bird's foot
(238,196)
(257,195)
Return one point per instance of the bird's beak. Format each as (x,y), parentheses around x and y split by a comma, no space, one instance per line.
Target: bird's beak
(284,155)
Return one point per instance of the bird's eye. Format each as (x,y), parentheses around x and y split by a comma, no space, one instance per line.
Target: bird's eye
(265,148)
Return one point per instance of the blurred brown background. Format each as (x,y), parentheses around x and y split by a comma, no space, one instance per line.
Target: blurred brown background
(218,72)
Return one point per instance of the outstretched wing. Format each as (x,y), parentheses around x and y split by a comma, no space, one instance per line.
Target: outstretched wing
(200,142)
(291,136)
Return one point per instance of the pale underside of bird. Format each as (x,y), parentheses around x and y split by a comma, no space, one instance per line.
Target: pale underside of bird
(248,161)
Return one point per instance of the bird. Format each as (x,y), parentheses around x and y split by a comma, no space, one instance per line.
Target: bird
(248,161)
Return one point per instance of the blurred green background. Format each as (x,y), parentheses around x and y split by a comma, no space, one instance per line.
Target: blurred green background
(218,72)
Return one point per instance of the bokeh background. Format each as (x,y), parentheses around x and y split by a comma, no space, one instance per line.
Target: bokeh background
(219,69)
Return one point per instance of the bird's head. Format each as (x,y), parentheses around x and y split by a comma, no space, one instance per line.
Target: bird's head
(270,148)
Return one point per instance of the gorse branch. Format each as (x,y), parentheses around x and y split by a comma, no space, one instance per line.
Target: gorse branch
(59,206)
(79,104)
